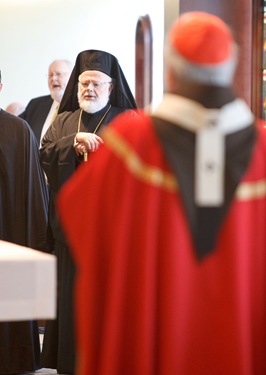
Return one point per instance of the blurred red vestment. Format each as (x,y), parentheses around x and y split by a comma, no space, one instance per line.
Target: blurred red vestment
(144,304)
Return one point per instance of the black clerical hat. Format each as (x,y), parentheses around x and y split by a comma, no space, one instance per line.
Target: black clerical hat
(121,95)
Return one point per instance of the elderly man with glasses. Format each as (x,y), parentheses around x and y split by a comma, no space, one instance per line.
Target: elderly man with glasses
(97,92)
(40,111)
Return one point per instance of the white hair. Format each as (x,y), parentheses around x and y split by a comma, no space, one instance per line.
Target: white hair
(219,74)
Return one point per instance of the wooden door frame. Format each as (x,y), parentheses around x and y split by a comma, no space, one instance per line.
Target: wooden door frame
(143,63)
(257,58)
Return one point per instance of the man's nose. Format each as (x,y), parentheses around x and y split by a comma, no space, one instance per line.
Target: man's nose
(91,85)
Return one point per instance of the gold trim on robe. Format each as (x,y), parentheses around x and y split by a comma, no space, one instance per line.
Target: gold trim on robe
(157,177)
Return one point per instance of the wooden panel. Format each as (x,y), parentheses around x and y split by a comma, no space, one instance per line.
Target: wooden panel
(245,17)
(144,62)
(257,59)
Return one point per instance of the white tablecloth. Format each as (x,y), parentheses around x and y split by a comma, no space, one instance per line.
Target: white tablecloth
(27,283)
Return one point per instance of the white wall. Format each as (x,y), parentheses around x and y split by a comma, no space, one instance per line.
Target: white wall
(35,32)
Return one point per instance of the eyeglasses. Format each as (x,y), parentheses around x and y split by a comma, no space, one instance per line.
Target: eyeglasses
(57,74)
(95,84)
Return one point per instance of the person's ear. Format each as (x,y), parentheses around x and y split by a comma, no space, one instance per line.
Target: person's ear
(168,79)
(173,81)
(111,86)
(1,85)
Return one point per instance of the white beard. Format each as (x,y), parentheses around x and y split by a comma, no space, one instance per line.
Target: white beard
(93,106)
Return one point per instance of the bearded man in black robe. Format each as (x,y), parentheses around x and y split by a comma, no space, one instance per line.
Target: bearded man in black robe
(97,92)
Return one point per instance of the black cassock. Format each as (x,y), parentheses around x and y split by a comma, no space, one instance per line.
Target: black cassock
(59,162)
(23,220)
